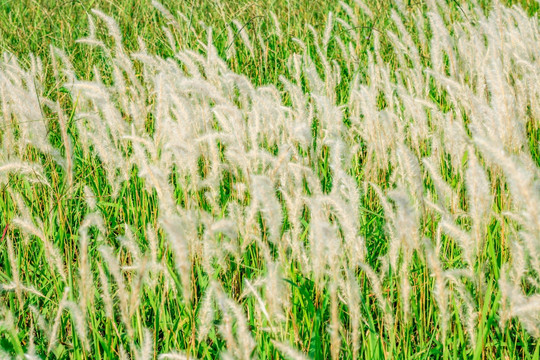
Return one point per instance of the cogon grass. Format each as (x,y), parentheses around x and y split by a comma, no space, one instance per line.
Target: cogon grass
(232,225)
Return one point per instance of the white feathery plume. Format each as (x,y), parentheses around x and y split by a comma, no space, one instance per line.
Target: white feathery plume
(241,30)
(25,222)
(263,192)
(365,9)
(53,335)
(106,294)
(122,293)
(288,351)
(277,25)
(146,351)
(479,196)
(14,269)
(175,356)
(78,316)
(174,227)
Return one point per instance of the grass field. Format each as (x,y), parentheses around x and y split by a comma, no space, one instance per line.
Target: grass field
(269,179)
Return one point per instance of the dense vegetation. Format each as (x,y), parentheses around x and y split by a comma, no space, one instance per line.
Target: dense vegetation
(297,179)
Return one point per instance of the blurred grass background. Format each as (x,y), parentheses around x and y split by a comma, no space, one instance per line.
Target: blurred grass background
(32,26)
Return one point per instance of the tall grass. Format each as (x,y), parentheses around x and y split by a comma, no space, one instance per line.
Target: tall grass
(379,198)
